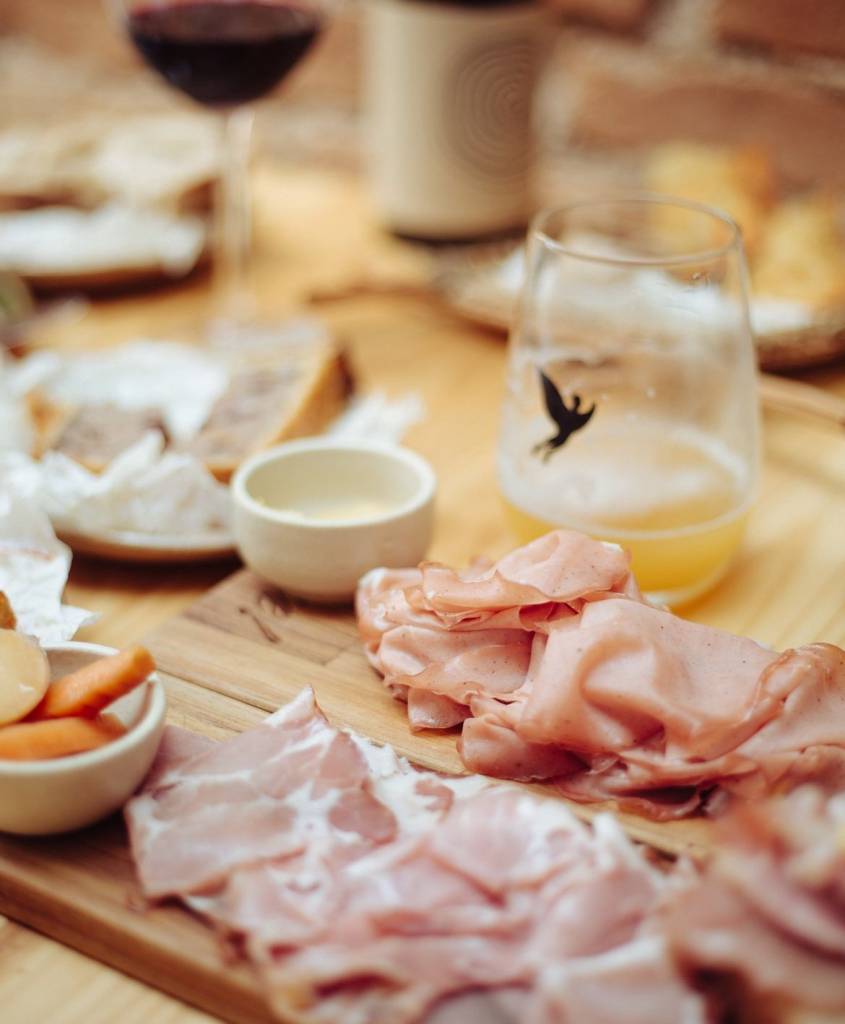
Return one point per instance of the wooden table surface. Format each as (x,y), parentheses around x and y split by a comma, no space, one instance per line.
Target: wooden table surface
(317,237)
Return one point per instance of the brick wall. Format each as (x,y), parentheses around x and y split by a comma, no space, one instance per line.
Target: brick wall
(623,75)
(81,32)
(628,73)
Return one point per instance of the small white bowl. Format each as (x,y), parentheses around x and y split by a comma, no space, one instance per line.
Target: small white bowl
(65,793)
(313,516)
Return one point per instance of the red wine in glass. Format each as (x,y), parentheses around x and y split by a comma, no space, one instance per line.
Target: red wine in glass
(222,53)
(225,54)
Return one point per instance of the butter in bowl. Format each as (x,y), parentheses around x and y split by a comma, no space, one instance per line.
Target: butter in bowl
(313,516)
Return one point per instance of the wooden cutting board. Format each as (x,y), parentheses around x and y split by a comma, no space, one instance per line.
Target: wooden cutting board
(240,652)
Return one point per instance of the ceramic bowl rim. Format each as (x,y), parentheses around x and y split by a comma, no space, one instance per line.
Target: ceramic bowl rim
(137,735)
(422,496)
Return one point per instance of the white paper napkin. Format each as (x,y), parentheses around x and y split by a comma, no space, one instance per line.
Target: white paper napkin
(144,490)
(182,381)
(376,417)
(34,567)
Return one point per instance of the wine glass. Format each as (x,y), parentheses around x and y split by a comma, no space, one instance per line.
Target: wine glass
(225,54)
(631,408)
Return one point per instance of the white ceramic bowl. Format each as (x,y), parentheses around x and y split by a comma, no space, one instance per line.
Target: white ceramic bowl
(313,516)
(64,793)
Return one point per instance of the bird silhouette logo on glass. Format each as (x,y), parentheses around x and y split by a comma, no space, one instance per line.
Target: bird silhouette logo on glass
(568,418)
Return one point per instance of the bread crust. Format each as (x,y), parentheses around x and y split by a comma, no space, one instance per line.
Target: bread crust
(305,395)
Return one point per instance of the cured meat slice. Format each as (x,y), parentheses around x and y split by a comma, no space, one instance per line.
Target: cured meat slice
(551,577)
(490,745)
(493,1006)
(177,748)
(806,741)
(457,665)
(630,672)
(506,884)
(365,891)
(635,984)
(266,794)
(427,710)
(380,603)
(771,907)
(556,669)
(563,566)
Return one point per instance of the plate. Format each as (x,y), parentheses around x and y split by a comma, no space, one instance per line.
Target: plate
(131,546)
(109,247)
(141,275)
(470,284)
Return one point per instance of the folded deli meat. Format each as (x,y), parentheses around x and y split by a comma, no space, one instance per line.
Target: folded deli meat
(368,892)
(364,891)
(555,668)
(770,909)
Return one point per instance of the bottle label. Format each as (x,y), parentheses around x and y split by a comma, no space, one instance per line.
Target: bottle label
(487,117)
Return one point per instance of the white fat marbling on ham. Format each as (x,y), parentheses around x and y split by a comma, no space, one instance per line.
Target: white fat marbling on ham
(266,794)
(505,885)
(556,669)
(365,891)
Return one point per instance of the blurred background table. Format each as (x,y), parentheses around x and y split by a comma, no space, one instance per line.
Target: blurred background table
(318,236)
(320,246)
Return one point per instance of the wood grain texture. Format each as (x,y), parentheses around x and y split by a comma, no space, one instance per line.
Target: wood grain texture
(318,235)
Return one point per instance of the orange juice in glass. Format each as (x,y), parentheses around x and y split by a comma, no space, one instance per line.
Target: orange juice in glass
(630,411)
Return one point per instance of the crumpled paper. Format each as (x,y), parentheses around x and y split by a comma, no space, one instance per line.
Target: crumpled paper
(375,417)
(146,489)
(182,381)
(34,568)
(143,490)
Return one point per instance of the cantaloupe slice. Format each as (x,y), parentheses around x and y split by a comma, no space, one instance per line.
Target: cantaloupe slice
(24,675)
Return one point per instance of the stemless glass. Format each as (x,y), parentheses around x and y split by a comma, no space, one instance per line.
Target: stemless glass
(225,54)
(631,407)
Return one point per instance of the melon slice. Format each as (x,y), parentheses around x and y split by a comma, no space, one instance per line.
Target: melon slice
(24,675)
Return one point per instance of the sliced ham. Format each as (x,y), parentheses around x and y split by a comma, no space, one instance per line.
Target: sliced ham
(770,909)
(457,665)
(263,795)
(562,567)
(491,1006)
(556,669)
(635,984)
(490,744)
(427,710)
(630,672)
(505,885)
(363,890)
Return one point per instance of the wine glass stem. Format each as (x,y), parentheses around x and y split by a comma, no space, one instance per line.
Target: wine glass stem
(234,296)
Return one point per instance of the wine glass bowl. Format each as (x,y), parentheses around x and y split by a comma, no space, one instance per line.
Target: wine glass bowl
(222,53)
(225,54)
(630,409)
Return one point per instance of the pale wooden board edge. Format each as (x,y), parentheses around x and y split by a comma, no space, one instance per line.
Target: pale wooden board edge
(80,890)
